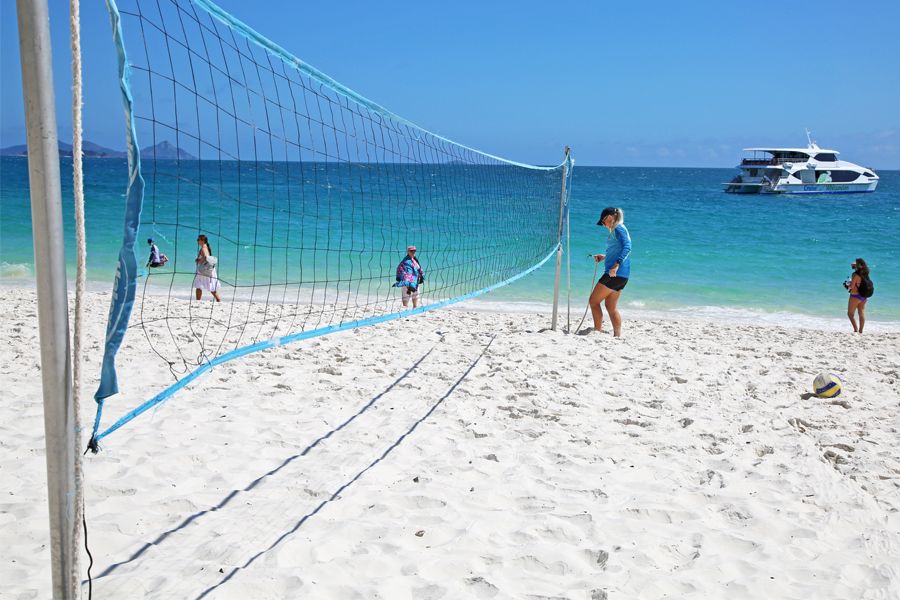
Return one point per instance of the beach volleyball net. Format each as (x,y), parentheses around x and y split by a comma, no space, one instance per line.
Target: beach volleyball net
(308,194)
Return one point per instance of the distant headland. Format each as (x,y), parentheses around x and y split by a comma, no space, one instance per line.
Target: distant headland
(161,151)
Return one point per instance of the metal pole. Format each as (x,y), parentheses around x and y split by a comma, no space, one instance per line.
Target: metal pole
(50,273)
(562,199)
(568,271)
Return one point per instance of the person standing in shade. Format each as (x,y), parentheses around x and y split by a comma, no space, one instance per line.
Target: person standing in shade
(206,277)
(617,269)
(861,289)
(410,276)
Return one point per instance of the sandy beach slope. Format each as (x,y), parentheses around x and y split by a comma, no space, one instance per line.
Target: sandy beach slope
(468,454)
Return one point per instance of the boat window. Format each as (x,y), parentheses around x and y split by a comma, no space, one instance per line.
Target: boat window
(829,176)
(844,176)
(825,157)
(867,174)
(790,156)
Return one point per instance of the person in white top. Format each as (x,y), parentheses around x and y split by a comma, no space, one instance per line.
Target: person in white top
(206,277)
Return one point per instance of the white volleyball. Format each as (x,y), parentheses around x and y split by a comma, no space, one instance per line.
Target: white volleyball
(826,385)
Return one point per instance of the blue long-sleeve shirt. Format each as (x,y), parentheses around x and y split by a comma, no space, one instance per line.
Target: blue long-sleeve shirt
(618,250)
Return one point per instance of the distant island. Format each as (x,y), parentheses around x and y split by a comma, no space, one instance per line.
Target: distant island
(162,151)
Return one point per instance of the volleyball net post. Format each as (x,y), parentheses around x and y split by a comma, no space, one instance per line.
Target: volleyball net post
(50,275)
(562,217)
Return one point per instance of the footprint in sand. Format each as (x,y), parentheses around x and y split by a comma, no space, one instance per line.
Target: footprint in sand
(633,422)
(834,458)
(801,425)
(844,447)
(531,564)
(712,478)
(532,505)
(520,537)
(481,588)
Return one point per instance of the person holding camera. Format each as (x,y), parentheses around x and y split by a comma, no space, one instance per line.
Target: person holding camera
(410,276)
(861,289)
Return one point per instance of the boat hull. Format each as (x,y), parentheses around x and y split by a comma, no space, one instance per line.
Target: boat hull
(825,188)
(742,188)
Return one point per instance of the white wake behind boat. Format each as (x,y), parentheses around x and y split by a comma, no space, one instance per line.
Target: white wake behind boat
(810,170)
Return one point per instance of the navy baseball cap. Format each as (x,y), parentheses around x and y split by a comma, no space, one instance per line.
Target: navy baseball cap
(609,210)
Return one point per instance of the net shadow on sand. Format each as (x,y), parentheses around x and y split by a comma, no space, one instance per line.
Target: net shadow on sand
(253,484)
(169,536)
(343,487)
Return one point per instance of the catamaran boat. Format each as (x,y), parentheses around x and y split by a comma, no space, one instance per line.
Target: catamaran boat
(810,170)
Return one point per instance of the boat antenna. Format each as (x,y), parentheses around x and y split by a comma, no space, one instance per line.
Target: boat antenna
(811,142)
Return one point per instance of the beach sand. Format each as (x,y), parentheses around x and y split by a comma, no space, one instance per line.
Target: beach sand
(462,454)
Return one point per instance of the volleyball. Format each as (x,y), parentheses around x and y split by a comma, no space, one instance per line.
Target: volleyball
(826,385)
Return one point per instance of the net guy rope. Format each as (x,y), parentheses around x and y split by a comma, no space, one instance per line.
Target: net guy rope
(293,200)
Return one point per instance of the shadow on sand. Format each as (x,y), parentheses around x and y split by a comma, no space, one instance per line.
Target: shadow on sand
(236,493)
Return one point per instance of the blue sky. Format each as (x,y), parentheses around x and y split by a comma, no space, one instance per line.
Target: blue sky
(640,83)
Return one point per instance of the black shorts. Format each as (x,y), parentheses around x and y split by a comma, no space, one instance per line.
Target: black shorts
(616,284)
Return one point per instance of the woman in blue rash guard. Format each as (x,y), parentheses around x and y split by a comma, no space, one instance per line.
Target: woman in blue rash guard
(617,268)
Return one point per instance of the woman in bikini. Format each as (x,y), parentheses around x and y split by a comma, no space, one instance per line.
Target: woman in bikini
(859,294)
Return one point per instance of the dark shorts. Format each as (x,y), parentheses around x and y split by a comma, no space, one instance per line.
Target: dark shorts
(616,284)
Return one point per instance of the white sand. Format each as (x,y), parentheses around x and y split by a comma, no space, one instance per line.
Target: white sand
(685,460)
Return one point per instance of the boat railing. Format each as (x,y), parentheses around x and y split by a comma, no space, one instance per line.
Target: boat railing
(763,162)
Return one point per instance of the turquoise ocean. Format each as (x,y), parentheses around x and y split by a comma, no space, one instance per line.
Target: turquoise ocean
(757,258)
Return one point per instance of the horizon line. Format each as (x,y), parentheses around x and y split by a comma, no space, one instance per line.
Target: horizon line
(450,163)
